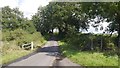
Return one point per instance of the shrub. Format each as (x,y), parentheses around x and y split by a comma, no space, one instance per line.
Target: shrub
(111,46)
(89,41)
(23,37)
(13,35)
(27,38)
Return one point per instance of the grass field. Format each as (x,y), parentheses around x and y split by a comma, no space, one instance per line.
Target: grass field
(86,58)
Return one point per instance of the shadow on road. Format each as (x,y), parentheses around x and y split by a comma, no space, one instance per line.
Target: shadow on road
(49,49)
(52,48)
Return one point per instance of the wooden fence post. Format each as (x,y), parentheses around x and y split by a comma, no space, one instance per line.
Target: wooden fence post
(31,45)
(23,46)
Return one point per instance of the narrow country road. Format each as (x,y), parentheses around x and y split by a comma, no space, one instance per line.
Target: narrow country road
(45,56)
(42,58)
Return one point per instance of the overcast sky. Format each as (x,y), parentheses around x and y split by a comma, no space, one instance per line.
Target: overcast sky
(29,7)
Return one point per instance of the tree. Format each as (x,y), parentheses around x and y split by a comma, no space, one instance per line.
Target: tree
(11,18)
(28,26)
(108,11)
(64,16)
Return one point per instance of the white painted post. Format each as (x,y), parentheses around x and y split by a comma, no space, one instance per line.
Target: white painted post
(31,45)
(23,46)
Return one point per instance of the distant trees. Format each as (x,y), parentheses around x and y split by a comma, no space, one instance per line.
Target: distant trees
(64,16)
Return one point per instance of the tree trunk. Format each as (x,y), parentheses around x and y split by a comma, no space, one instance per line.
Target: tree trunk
(118,20)
(52,30)
(60,31)
(118,36)
(118,39)
(91,44)
(101,43)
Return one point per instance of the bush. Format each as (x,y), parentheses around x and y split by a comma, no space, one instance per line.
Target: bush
(29,27)
(111,46)
(27,38)
(89,41)
(13,35)
(23,37)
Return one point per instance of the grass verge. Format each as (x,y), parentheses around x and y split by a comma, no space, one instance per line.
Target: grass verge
(11,52)
(87,58)
(12,55)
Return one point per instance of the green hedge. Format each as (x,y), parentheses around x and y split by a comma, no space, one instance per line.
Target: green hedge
(82,41)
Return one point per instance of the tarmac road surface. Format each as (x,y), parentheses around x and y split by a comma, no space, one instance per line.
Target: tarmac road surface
(45,56)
